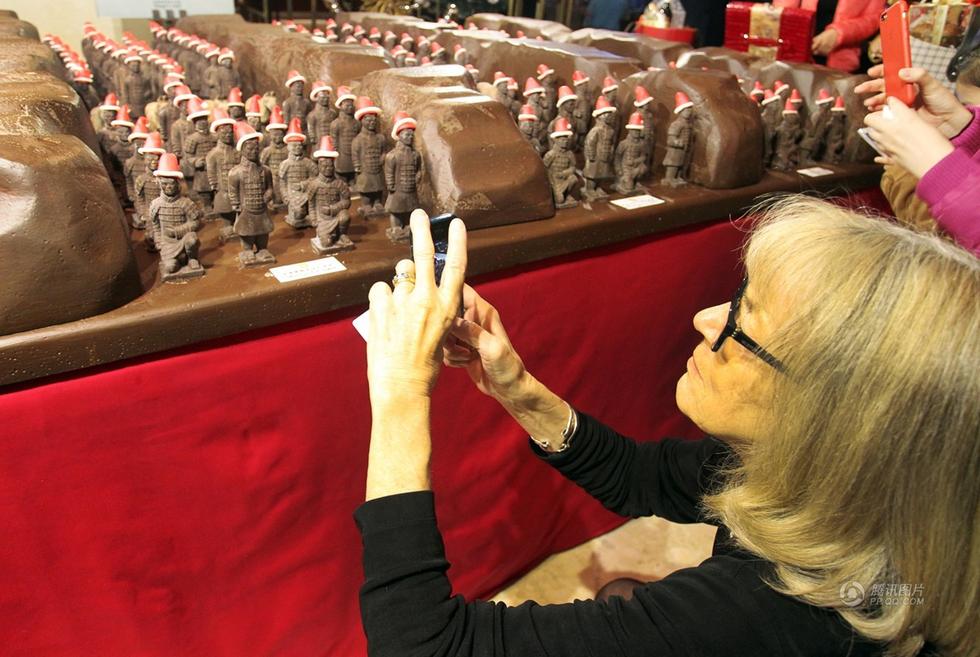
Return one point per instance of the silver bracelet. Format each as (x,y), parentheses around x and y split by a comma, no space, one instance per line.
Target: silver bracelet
(566,434)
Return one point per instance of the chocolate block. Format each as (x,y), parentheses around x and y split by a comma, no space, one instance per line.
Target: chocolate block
(531,27)
(20,55)
(646,49)
(11,26)
(64,246)
(476,163)
(727,126)
(40,104)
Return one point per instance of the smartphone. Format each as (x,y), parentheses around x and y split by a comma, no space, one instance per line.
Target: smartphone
(439,228)
(869,141)
(896,52)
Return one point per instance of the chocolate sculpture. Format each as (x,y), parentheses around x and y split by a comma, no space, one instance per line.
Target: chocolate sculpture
(500,81)
(329,203)
(226,76)
(534,96)
(293,173)
(560,162)
(107,112)
(367,152)
(527,123)
(297,105)
(643,102)
(235,104)
(167,111)
(585,101)
(135,88)
(250,194)
(680,140)
(322,115)
(275,153)
(610,88)
(812,145)
(632,156)
(771,117)
(546,76)
(175,221)
(147,187)
(253,114)
(181,126)
(599,149)
(566,110)
(403,171)
(135,165)
(343,130)
(119,149)
(836,132)
(195,149)
(788,139)
(222,158)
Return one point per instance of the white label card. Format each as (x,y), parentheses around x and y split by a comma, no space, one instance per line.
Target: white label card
(637,202)
(815,172)
(308,269)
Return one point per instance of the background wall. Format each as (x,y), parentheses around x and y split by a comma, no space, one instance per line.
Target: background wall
(65,17)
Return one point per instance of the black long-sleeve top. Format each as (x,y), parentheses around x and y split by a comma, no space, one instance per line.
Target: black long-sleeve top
(721,607)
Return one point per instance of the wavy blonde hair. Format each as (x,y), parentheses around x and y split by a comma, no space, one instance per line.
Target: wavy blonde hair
(872,477)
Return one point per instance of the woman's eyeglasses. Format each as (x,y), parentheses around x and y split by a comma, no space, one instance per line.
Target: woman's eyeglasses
(733,331)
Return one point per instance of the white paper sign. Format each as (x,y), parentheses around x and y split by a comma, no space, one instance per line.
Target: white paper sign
(145,8)
(815,172)
(362,324)
(636,202)
(308,269)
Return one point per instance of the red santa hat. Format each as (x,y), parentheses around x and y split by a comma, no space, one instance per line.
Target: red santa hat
(359,30)
(123,118)
(132,55)
(168,167)
(343,93)
(402,121)
(635,122)
(544,71)
(295,132)
(244,132)
(276,121)
(789,107)
(681,102)
(410,58)
(213,51)
(578,77)
(609,84)
(602,106)
(421,40)
(512,84)
(196,109)
(795,98)
(141,130)
(406,38)
(326,148)
(226,53)
(253,107)
(436,48)
(351,39)
(235,98)
(294,76)
(641,96)
(111,102)
(561,129)
(838,105)
(425,61)
(364,107)
(531,87)
(769,97)
(499,77)
(824,97)
(757,89)
(374,33)
(331,23)
(565,95)
(319,86)
(182,94)
(778,86)
(171,81)
(83,75)
(527,114)
(153,145)
(219,118)
(458,51)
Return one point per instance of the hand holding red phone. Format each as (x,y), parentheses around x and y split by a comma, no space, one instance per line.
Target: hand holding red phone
(904,138)
(935,104)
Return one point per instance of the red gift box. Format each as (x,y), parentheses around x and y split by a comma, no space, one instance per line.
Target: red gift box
(769,32)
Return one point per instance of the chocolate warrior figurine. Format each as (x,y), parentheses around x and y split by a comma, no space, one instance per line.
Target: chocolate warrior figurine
(209,78)
(322,115)
(343,130)
(250,193)
(180,126)
(175,221)
(610,88)
(293,174)
(788,136)
(680,139)
(560,162)
(600,149)
(147,186)
(119,149)
(235,104)
(643,102)
(253,114)
(771,117)
(527,123)
(534,95)
(167,111)
(836,133)
(403,172)
(226,76)
(136,165)
(275,153)
(107,113)
(546,76)
(585,101)
(329,202)
(632,156)
(222,158)
(367,152)
(297,105)
(513,93)
(196,147)
(566,110)
(500,81)
(135,89)
(811,148)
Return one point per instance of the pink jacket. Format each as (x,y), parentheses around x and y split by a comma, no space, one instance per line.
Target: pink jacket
(855,21)
(951,188)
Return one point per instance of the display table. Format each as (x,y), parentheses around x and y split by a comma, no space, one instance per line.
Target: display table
(198,501)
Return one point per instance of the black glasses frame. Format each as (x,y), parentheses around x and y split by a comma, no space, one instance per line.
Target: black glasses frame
(733,331)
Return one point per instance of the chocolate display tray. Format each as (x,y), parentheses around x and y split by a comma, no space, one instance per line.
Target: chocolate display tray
(228,300)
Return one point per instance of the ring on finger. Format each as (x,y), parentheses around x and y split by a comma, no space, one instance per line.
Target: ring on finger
(402,277)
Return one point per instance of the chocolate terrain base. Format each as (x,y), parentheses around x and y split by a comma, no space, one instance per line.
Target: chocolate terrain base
(228,301)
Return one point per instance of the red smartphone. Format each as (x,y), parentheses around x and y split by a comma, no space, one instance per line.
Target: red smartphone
(896,53)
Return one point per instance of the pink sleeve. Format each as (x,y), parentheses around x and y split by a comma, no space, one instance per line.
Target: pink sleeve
(969,139)
(951,189)
(856,20)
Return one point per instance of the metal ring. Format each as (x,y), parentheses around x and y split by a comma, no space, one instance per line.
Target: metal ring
(402,277)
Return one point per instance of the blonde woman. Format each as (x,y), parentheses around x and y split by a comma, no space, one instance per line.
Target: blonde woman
(840,391)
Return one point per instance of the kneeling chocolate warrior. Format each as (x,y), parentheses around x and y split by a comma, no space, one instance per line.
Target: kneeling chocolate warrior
(329,201)
(175,220)
(250,194)
(560,163)
(403,172)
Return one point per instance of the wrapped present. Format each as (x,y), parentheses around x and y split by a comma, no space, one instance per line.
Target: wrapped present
(769,32)
(940,24)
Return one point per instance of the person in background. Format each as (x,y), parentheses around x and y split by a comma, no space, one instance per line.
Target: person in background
(841,41)
(938,143)
(606,14)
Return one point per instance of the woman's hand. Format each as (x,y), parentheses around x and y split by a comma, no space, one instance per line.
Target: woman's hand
(907,139)
(408,325)
(824,42)
(937,106)
(479,342)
